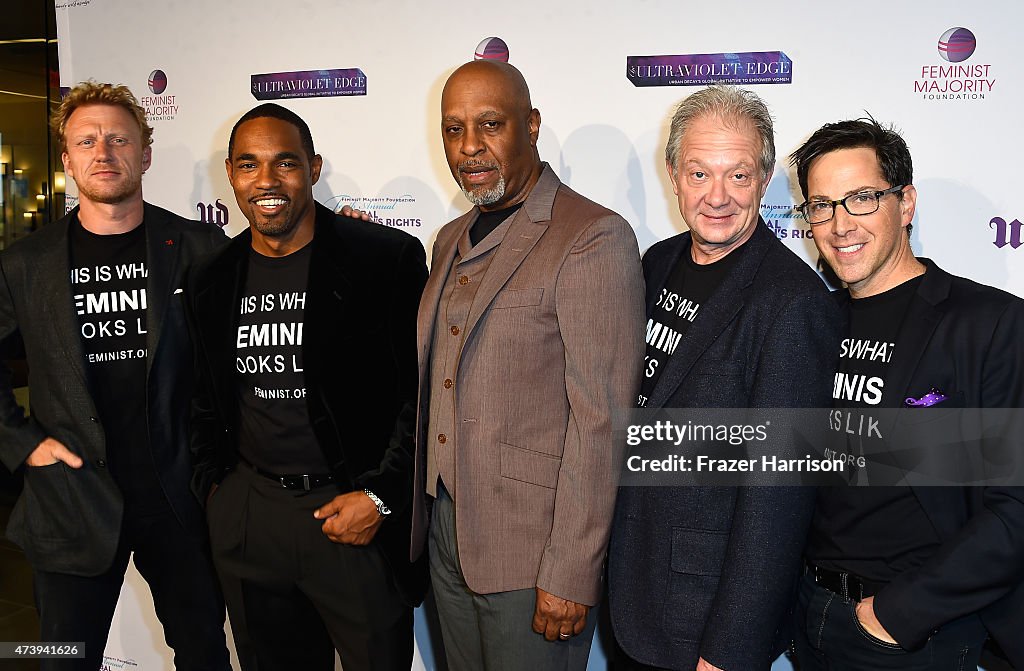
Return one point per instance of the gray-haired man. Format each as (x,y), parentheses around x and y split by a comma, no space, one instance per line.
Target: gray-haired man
(752,326)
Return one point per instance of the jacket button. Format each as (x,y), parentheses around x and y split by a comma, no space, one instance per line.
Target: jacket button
(455,330)
(448,384)
(101,463)
(463,280)
(94,420)
(441,438)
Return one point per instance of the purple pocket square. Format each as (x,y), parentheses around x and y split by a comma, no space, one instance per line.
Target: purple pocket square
(933,397)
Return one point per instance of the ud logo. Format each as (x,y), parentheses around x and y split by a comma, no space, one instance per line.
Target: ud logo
(213,214)
(1006,233)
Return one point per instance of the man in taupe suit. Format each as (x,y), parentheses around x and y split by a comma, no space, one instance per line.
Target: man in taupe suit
(530,335)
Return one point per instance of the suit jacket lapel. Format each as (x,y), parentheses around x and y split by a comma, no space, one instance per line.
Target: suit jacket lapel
(440,266)
(919,324)
(527,227)
(916,331)
(218,303)
(57,303)
(162,245)
(714,315)
(328,285)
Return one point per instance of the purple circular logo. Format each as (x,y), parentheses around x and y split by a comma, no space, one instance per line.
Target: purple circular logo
(492,47)
(157,81)
(957,44)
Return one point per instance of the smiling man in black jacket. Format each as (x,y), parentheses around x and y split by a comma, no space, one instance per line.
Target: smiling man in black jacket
(305,329)
(907,577)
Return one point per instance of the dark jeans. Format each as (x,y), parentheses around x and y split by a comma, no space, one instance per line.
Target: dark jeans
(830,638)
(181,579)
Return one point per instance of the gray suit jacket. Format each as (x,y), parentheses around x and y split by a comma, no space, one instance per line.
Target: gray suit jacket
(68,520)
(552,346)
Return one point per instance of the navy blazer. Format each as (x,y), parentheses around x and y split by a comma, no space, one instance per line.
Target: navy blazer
(359,354)
(69,520)
(711,571)
(964,339)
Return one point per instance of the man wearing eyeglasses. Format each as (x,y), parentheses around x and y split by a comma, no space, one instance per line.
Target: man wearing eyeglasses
(906,577)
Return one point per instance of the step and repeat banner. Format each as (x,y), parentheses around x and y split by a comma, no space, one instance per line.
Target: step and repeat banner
(367,77)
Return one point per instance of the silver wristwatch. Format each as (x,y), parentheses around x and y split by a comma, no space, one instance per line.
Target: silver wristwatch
(382,509)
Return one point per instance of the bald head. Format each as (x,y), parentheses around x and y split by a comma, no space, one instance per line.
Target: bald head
(490,129)
(496,74)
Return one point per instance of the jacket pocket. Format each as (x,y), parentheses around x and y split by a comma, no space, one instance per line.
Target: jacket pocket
(695,568)
(529,466)
(517,298)
(50,513)
(697,551)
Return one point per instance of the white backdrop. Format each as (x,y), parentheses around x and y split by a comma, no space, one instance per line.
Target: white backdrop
(603,135)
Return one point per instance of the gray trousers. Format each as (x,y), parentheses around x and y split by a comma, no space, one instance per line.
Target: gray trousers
(491,632)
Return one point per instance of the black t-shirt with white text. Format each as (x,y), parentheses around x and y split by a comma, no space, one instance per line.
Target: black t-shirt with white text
(108,282)
(274,429)
(876,532)
(688,286)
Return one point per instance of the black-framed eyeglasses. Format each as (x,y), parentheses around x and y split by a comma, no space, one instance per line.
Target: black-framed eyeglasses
(858,204)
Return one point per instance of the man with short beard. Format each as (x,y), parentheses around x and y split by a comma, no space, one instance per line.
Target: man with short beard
(302,419)
(94,297)
(530,335)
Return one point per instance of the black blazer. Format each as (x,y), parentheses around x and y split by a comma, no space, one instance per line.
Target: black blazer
(964,339)
(711,571)
(69,520)
(359,354)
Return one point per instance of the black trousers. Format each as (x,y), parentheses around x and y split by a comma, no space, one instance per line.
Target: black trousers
(181,579)
(294,595)
(829,637)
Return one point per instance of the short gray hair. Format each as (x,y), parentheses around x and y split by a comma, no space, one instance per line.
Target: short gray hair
(729,103)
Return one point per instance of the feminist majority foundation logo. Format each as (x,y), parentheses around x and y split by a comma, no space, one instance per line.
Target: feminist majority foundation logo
(157,81)
(158,106)
(954,79)
(492,48)
(957,44)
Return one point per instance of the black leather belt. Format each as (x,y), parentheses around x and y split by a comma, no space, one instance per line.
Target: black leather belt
(303,481)
(846,585)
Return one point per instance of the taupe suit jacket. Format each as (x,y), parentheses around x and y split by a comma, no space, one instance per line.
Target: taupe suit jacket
(552,346)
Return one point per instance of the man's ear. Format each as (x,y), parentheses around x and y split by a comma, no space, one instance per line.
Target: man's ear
(767,181)
(533,125)
(671,170)
(908,205)
(315,166)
